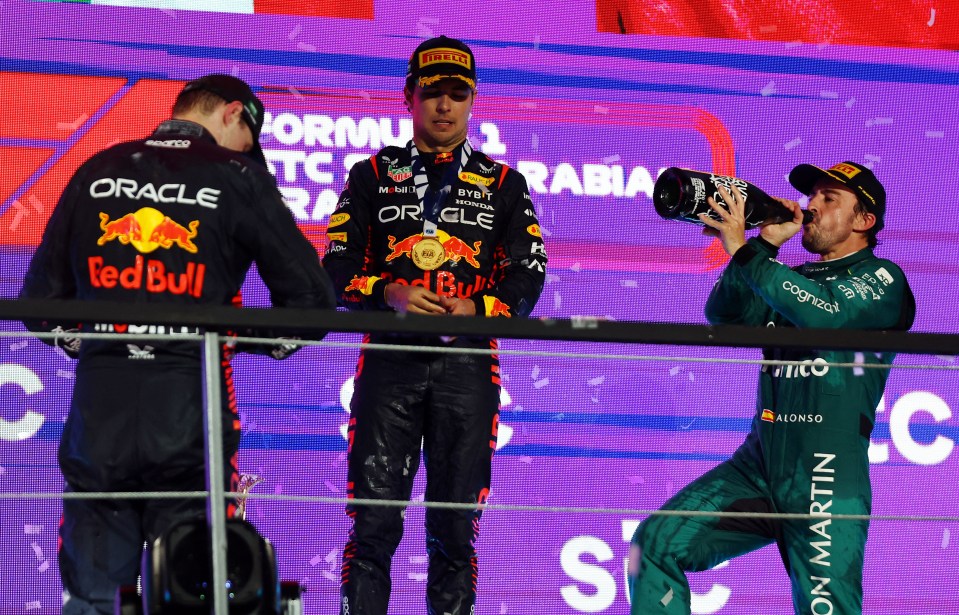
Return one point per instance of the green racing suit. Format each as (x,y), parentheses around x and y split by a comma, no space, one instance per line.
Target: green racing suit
(807,450)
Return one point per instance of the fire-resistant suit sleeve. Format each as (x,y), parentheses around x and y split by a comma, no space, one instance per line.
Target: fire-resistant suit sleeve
(870,294)
(50,273)
(520,270)
(348,237)
(285,259)
(732,301)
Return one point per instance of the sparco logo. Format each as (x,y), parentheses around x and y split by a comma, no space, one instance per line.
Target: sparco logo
(804,296)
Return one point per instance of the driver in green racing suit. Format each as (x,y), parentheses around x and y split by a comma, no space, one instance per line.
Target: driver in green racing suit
(807,451)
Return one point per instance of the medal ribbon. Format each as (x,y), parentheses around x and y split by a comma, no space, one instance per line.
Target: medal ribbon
(432,201)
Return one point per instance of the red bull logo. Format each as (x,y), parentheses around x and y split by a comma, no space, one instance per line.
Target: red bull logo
(363,284)
(125,229)
(148,229)
(151,275)
(456,249)
(495,307)
(169,232)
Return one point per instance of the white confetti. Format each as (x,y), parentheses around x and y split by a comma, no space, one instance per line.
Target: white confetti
(535,373)
(32,606)
(44,566)
(769,89)
(935,134)
(791,144)
(419,577)
(32,529)
(534,141)
(575,266)
(330,576)
(932,17)
(611,159)
(850,102)
(692,377)
(306,47)
(557,300)
(502,608)
(74,125)
(37,551)
(295,92)
(828,94)
(872,158)
(539,384)
(19,345)
(527,104)
(316,559)
(331,486)
(62,373)
(295,32)
(675,370)
(601,109)
(419,559)
(536,43)
(550,278)
(598,380)
(945,538)
(628,283)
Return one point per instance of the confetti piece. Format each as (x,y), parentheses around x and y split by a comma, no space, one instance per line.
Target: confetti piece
(536,43)
(306,47)
(598,380)
(295,32)
(32,606)
(611,159)
(935,134)
(675,370)
(932,20)
(550,278)
(330,576)
(534,141)
(628,283)
(62,373)
(502,608)
(32,529)
(539,384)
(419,559)
(44,566)
(945,538)
(769,89)
(36,203)
(601,109)
(791,144)
(557,300)
(296,93)
(872,158)
(575,266)
(535,373)
(37,550)
(527,104)
(828,94)
(75,124)
(19,345)
(331,486)
(793,44)
(692,377)
(419,577)
(525,459)
(316,560)
(850,102)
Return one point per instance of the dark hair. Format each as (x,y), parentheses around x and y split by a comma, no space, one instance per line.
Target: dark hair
(861,209)
(202,101)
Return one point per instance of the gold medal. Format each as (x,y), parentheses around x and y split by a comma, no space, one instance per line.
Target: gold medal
(428,253)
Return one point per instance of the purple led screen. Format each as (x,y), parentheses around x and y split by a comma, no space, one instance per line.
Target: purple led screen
(590,119)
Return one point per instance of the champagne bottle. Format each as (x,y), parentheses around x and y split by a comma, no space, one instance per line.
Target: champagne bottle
(680,194)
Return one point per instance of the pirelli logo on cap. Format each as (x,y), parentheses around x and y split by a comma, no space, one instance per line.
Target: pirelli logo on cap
(846,169)
(445,55)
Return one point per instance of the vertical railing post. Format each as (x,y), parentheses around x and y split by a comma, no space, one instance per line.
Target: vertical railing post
(213,439)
